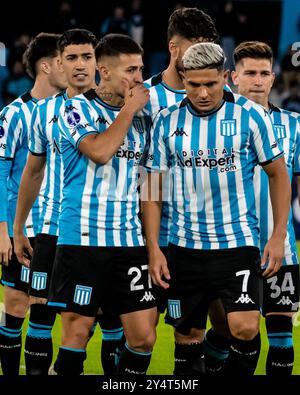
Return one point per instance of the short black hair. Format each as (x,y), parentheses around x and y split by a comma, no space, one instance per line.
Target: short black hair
(116,44)
(44,45)
(192,23)
(253,50)
(76,37)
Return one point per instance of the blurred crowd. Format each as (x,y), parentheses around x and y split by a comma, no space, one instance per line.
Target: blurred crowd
(135,18)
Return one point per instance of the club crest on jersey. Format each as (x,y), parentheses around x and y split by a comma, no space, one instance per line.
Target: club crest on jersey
(280,131)
(228,127)
(2,131)
(25,274)
(138,125)
(73,118)
(174,308)
(82,295)
(39,280)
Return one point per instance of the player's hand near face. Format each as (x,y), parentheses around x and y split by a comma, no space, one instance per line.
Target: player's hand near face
(5,244)
(23,249)
(135,98)
(158,268)
(273,254)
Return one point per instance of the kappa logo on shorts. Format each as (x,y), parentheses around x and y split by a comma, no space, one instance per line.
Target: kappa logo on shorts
(285,301)
(245,299)
(25,274)
(148,297)
(174,308)
(82,295)
(39,280)
(228,127)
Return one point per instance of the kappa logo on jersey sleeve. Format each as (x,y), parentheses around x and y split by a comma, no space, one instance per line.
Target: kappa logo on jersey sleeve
(101,120)
(3,118)
(73,118)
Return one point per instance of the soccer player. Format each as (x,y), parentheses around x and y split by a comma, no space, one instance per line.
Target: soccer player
(41,60)
(186,27)
(101,260)
(76,48)
(254,78)
(212,145)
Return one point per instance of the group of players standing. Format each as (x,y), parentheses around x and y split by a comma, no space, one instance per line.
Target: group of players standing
(72,191)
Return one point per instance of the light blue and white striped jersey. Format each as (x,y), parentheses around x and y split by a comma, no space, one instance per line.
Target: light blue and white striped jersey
(14,131)
(162,96)
(100,203)
(287,128)
(44,140)
(211,158)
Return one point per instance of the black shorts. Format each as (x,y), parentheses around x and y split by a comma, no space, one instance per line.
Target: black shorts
(281,291)
(115,279)
(200,276)
(16,275)
(41,265)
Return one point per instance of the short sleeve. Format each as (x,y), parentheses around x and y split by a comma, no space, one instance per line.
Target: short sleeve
(264,138)
(37,133)
(296,163)
(157,157)
(10,131)
(78,120)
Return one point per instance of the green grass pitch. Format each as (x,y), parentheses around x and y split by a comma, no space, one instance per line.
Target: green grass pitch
(162,358)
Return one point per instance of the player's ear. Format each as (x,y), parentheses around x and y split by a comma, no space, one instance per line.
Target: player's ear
(226,75)
(45,67)
(173,48)
(104,72)
(60,65)
(273,77)
(234,77)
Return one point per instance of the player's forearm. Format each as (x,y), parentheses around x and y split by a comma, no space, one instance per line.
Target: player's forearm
(3,229)
(298,189)
(3,201)
(108,142)
(151,216)
(28,192)
(280,193)
(5,167)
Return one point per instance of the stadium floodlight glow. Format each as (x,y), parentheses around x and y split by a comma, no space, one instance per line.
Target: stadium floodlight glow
(2,54)
(296,55)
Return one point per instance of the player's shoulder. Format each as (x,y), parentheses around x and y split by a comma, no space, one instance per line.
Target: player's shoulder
(84,99)
(12,108)
(254,109)
(290,114)
(153,81)
(173,110)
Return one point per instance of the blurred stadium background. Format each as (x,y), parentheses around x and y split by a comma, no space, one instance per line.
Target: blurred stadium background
(276,22)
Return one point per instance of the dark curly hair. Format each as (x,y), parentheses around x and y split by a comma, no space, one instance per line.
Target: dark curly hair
(192,23)
(44,45)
